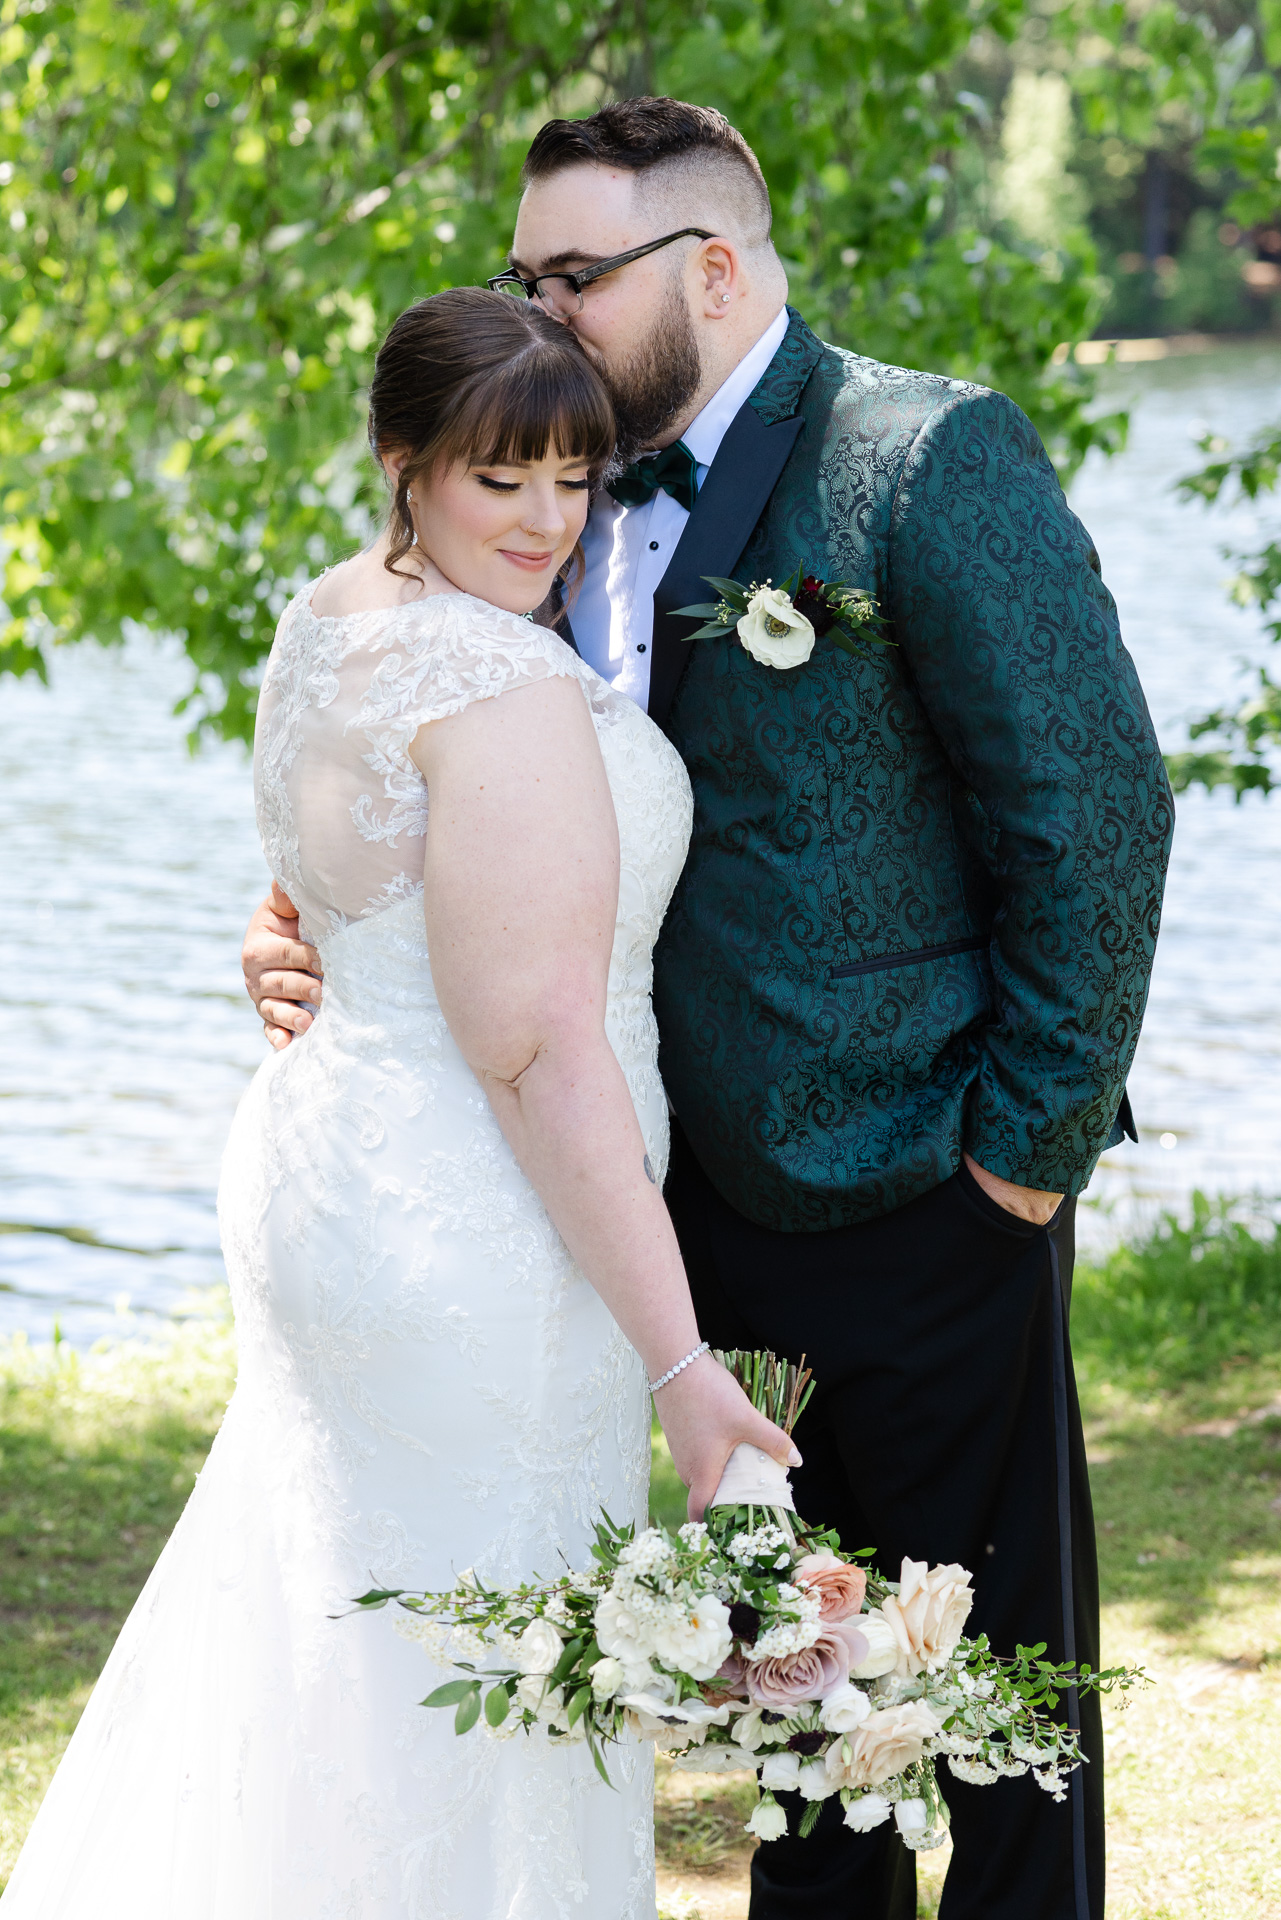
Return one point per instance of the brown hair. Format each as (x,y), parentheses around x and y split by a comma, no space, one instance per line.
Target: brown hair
(644,133)
(477,376)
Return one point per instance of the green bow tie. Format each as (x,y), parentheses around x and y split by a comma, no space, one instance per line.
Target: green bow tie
(675,470)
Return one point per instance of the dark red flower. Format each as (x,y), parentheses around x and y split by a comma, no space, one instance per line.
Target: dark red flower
(744,1622)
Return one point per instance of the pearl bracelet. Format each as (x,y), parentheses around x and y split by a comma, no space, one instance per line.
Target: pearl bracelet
(680,1367)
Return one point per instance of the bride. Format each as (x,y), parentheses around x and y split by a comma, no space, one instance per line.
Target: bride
(452,1270)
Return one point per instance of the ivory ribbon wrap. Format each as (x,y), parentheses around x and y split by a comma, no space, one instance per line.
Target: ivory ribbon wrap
(752,1478)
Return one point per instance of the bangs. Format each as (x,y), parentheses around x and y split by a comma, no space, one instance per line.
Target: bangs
(548,397)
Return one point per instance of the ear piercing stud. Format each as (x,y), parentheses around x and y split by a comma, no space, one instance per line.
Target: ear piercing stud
(725,299)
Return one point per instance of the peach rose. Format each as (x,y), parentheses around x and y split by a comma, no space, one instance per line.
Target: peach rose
(886,1742)
(928,1614)
(812,1674)
(839,1586)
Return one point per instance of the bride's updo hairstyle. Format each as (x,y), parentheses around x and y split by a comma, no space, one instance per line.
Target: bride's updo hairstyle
(474,376)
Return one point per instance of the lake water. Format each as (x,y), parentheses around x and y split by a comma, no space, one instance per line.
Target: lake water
(130,868)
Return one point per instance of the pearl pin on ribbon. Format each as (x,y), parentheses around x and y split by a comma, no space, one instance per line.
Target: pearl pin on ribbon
(752,1478)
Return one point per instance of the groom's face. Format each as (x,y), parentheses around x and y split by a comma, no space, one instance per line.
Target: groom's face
(637,324)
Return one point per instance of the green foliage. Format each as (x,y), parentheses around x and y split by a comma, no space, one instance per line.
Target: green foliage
(1248,735)
(1179,1304)
(215,211)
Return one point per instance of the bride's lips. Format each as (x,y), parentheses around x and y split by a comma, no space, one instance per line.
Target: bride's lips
(530,562)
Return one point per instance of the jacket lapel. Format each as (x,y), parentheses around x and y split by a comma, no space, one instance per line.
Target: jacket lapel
(730,502)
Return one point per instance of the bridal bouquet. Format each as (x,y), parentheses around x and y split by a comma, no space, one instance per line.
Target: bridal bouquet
(749,1640)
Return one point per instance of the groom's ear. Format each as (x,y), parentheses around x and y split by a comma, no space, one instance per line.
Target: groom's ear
(720,268)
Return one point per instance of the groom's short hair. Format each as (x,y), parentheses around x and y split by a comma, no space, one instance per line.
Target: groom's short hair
(671,143)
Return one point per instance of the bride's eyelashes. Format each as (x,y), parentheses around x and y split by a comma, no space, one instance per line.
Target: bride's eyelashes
(514,486)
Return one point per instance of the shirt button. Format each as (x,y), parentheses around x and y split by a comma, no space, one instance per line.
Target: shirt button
(640,646)
(653,546)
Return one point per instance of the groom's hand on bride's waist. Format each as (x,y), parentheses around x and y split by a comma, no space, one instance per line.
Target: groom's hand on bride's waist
(1029,1203)
(282,973)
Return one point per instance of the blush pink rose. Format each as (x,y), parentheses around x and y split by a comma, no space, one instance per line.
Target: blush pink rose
(811,1674)
(729,1678)
(839,1586)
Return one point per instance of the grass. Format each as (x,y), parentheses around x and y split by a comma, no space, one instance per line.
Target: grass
(97,1457)
(1179,1351)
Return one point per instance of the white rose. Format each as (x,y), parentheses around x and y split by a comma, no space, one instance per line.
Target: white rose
(911,1816)
(540,1647)
(814,1782)
(694,1642)
(868,1811)
(781,1770)
(844,1710)
(530,1691)
(620,1633)
(768,1821)
(882,1654)
(551,1709)
(774,632)
(932,1606)
(607,1677)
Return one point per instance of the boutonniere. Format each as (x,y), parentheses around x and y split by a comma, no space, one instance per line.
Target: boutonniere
(779,625)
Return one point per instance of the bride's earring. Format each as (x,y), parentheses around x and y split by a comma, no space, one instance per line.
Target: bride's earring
(409,501)
(725,299)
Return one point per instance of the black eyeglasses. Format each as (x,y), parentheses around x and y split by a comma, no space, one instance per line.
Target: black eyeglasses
(561,294)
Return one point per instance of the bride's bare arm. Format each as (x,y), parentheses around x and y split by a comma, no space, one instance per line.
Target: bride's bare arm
(521,896)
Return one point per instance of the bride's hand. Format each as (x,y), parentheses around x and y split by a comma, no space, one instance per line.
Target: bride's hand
(704,1415)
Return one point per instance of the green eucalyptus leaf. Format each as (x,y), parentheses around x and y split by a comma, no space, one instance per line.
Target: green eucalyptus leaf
(601,1768)
(468,1711)
(578,1705)
(713,631)
(497,1705)
(450,1694)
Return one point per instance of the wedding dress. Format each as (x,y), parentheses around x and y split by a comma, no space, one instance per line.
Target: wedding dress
(426,1381)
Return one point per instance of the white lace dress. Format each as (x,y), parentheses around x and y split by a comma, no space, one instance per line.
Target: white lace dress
(426,1382)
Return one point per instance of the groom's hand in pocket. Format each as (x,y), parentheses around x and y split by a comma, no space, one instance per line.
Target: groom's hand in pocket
(1028,1203)
(282,973)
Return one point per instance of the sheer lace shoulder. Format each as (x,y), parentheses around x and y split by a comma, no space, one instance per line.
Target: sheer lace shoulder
(340,801)
(446,652)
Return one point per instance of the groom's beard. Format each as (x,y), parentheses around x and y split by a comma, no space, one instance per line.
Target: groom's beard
(657,383)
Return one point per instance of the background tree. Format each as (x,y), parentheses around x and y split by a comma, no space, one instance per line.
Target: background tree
(214,211)
(1199,93)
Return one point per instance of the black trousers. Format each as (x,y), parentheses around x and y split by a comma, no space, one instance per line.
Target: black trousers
(944,1426)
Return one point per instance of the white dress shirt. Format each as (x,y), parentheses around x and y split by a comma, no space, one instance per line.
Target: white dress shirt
(628,549)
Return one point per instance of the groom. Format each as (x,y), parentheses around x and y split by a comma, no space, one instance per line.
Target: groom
(901,982)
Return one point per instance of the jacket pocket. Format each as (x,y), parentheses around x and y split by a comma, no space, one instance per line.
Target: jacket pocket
(977,943)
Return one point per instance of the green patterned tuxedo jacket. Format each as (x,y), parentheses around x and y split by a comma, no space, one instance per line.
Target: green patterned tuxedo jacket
(922,897)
